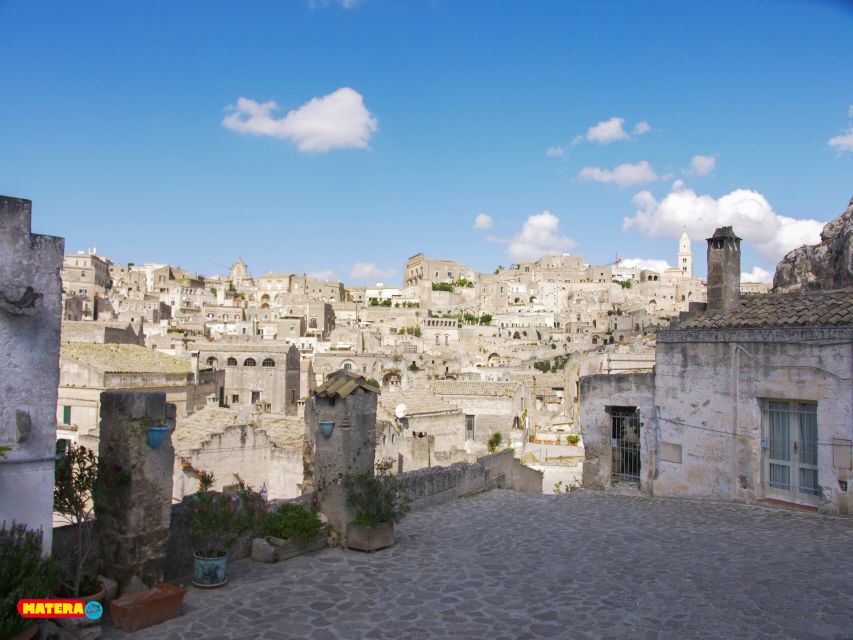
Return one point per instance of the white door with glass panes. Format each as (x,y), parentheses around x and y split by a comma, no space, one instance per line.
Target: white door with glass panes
(789,449)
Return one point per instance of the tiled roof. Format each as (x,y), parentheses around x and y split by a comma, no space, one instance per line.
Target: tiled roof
(124,358)
(342,383)
(813,308)
(474,388)
(417,401)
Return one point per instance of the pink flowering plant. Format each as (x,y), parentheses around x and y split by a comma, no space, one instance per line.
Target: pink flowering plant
(219,517)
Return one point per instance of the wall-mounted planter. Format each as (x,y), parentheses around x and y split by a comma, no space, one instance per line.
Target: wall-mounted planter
(326,427)
(156,434)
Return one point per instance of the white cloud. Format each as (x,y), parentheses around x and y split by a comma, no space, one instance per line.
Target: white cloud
(324,275)
(335,121)
(606,131)
(369,271)
(642,127)
(643,263)
(843,142)
(757,275)
(555,152)
(747,211)
(624,174)
(701,165)
(483,221)
(611,130)
(540,236)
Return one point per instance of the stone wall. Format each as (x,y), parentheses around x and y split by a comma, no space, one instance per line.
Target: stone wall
(30,317)
(436,485)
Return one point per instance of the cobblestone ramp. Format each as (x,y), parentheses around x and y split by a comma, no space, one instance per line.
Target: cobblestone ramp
(507,565)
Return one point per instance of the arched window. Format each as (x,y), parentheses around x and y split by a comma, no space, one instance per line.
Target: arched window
(249,362)
(211,361)
(268,362)
(232,362)
(347,366)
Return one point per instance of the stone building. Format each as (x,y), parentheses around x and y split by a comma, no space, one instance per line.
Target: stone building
(87,370)
(30,315)
(86,275)
(418,429)
(263,449)
(750,400)
(255,373)
(489,407)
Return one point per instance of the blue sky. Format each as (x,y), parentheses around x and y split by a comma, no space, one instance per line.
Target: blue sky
(410,118)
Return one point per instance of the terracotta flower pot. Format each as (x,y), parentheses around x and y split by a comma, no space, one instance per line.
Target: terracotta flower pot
(143,609)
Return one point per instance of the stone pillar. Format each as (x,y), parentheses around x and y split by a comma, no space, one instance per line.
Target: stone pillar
(30,319)
(723,270)
(350,403)
(134,520)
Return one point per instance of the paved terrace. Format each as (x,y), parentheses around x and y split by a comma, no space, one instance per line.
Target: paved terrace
(506,565)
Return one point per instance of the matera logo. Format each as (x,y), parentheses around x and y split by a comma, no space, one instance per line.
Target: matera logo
(60,608)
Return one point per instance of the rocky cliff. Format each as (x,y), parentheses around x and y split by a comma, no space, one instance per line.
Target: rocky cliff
(828,265)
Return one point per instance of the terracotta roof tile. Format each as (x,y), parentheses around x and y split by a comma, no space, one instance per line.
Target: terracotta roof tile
(811,308)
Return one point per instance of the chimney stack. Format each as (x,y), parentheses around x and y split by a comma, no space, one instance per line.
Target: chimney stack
(723,270)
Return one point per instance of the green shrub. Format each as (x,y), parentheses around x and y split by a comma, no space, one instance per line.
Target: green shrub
(373,382)
(494,442)
(376,498)
(24,573)
(291,522)
(442,286)
(572,438)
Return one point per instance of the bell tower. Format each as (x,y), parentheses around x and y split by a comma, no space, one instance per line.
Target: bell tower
(685,256)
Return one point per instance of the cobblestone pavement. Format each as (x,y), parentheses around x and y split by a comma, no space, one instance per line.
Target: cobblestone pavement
(506,565)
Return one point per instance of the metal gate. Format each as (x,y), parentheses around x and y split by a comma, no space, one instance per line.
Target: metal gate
(625,441)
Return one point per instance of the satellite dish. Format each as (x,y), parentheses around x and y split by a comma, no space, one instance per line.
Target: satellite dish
(400,411)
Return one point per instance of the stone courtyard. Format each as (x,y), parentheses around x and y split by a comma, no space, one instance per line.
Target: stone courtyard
(507,565)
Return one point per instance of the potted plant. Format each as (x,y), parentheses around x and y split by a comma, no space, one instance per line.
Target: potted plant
(218,518)
(80,475)
(24,573)
(293,530)
(573,438)
(379,501)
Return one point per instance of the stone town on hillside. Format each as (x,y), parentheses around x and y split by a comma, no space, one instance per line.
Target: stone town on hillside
(589,373)
(581,375)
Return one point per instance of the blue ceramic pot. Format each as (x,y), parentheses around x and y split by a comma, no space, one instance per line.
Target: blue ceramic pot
(156,434)
(209,573)
(326,427)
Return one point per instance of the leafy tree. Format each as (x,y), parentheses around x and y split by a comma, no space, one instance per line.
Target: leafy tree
(486,319)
